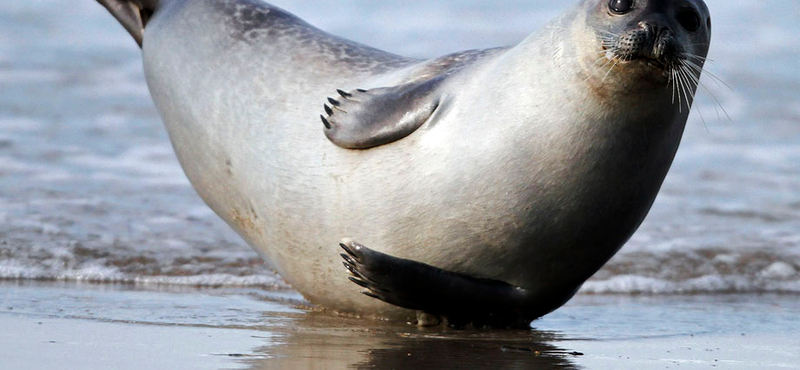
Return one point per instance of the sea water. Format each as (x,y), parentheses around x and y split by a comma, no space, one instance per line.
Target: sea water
(90,189)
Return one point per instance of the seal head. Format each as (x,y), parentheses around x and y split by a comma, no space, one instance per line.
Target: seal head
(670,38)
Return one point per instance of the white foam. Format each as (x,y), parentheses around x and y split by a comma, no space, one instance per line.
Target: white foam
(779,270)
(94,273)
(634,284)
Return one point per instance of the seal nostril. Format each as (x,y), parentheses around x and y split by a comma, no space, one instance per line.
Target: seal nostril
(689,19)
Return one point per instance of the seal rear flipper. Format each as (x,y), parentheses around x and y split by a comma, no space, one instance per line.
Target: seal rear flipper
(362,119)
(458,298)
(132,14)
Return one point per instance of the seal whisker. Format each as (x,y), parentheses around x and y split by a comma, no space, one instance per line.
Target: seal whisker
(688,72)
(678,89)
(693,65)
(669,84)
(696,84)
(692,78)
(686,89)
(678,92)
(608,42)
(594,67)
(609,70)
(688,56)
(697,59)
(598,60)
(700,69)
(716,101)
(717,80)
(689,89)
(671,81)
(706,89)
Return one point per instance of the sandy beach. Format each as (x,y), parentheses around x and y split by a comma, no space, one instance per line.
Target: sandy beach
(89,326)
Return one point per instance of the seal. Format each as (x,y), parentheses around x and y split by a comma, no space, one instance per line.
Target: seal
(490,183)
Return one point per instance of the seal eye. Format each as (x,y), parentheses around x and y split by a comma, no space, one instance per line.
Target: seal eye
(689,19)
(620,6)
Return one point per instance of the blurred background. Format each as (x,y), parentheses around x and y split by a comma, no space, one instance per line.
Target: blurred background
(90,189)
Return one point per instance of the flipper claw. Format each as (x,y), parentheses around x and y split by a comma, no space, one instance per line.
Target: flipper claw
(343,93)
(371,294)
(349,260)
(351,252)
(360,283)
(325,122)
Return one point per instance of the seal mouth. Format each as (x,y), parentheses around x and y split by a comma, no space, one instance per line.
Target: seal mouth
(652,62)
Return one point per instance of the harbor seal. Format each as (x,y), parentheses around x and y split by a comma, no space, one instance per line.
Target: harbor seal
(488,184)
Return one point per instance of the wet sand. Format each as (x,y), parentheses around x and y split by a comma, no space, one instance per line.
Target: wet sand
(84,326)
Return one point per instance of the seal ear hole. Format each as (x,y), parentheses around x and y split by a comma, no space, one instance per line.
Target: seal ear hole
(708,22)
(619,7)
(689,19)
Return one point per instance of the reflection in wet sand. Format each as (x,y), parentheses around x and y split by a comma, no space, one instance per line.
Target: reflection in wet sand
(107,326)
(324,341)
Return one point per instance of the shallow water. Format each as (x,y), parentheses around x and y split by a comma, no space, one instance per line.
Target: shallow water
(90,189)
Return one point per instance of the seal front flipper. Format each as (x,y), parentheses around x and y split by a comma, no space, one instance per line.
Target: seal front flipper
(362,119)
(458,298)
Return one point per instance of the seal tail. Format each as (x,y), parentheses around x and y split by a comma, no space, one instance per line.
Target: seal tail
(132,14)
(439,294)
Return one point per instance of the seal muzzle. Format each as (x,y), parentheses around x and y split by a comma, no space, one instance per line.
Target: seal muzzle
(647,41)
